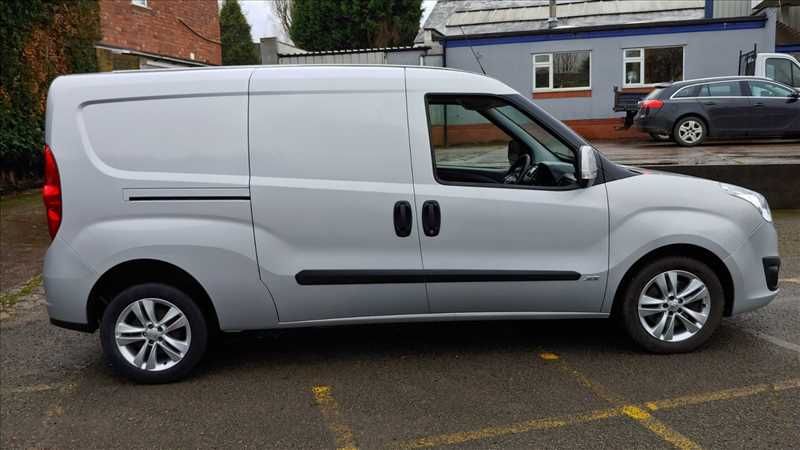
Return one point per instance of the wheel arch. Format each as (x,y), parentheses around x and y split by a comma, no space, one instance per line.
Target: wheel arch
(689,250)
(129,273)
(693,113)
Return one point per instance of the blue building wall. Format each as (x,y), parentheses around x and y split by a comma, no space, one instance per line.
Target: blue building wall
(709,50)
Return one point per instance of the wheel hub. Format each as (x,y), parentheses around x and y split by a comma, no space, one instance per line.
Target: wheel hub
(152,334)
(673,305)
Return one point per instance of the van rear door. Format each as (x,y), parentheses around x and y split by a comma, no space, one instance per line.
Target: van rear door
(332,192)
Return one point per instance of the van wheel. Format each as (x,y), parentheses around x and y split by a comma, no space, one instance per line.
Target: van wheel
(153,333)
(672,305)
(690,131)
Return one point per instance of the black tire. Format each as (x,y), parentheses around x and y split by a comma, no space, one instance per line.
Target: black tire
(660,137)
(190,310)
(695,123)
(629,310)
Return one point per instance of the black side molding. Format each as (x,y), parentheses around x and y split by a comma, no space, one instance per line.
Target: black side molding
(184,198)
(84,327)
(339,277)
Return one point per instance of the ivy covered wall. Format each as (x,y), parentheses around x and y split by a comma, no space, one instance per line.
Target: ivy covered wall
(41,39)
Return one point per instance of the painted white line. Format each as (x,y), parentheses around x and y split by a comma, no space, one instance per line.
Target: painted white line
(771,339)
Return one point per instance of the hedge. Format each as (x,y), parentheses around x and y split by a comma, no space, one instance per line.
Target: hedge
(41,39)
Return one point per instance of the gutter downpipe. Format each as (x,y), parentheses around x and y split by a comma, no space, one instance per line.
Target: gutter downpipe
(552,19)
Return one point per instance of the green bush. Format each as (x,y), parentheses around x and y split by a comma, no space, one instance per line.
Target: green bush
(41,39)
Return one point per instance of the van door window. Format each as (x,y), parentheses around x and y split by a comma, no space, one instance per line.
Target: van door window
(487,141)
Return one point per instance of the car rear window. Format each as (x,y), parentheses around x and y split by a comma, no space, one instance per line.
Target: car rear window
(654,93)
(690,91)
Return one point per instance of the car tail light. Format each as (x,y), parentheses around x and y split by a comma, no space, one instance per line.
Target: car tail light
(51,192)
(652,104)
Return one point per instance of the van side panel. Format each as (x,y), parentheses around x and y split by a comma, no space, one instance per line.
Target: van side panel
(154,165)
(330,159)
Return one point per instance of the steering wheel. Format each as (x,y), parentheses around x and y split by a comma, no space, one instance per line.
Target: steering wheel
(528,177)
(517,171)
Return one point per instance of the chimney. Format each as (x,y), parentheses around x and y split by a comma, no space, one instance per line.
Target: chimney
(552,20)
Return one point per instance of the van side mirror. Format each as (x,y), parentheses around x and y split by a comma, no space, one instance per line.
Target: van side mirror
(587,164)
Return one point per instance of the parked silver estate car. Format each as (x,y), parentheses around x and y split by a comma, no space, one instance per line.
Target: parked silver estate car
(185,202)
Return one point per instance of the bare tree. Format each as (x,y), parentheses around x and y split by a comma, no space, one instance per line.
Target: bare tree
(283,10)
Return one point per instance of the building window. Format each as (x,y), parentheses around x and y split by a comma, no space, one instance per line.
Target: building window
(562,71)
(646,66)
(142,3)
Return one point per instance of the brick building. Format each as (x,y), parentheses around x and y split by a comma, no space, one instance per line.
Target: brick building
(145,34)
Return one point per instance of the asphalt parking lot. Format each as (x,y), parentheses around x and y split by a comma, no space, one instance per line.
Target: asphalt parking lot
(547,384)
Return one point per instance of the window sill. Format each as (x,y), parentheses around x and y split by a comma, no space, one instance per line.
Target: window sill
(638,89)
(572,93)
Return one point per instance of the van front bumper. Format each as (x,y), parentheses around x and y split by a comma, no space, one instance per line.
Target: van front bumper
(754,268)
(67,283)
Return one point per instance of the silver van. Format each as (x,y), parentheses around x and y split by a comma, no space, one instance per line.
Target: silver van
(187,202)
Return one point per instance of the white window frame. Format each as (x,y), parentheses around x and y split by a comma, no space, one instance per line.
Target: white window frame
(140,3)
(549,66)
(640,60)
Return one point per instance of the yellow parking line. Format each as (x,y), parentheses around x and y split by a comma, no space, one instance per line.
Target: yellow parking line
(634,412)
(725,394)
(65,388)
(788,384)
(516,428)
(658,427)
(333,419)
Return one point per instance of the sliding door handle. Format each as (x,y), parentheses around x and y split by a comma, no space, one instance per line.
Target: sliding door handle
(431,218)
(402,218)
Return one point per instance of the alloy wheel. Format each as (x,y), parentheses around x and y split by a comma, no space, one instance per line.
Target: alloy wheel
(674,306)
(690,131)
(152,334)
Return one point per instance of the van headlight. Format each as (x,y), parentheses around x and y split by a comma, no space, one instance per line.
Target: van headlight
(752,197)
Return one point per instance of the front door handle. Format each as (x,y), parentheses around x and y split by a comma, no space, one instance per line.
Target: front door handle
(709,103)
(402,218)
(758,105)
(431,218)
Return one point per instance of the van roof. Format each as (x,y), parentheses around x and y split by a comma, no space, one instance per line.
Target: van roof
(280,66)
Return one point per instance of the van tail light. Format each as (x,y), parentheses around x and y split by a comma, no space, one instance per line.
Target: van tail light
(652,104)
(51,192)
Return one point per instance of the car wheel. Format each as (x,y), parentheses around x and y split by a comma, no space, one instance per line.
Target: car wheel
(690,131)
(153,333)
(658,137)
(672,305)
